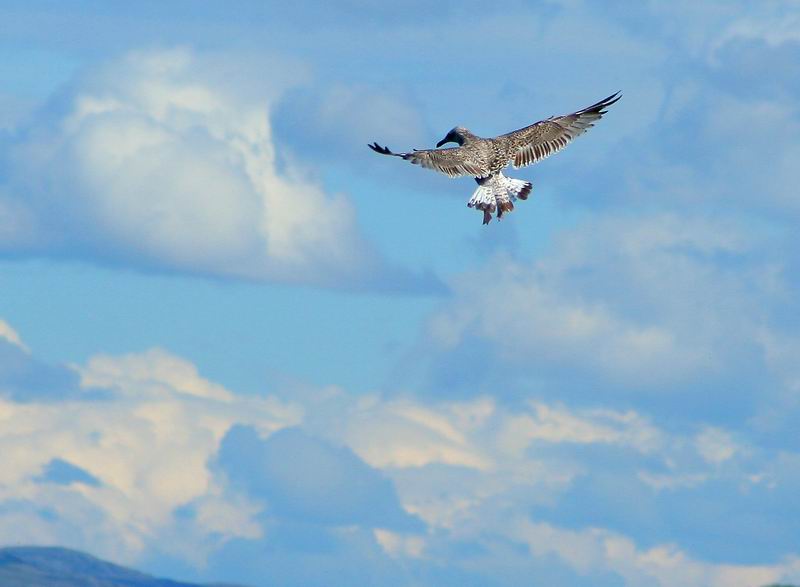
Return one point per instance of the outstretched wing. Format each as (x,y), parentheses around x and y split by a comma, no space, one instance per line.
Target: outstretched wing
(452,162)
(537,141)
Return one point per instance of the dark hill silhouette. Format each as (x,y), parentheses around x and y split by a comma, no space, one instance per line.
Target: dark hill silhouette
(34,566)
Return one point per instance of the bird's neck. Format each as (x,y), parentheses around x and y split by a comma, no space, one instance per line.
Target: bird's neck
(467,137)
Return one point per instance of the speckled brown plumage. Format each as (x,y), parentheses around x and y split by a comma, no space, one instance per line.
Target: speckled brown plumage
(484,158)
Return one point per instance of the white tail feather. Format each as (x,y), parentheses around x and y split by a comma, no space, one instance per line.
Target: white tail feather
(498,193)
(517,188)
(482,197)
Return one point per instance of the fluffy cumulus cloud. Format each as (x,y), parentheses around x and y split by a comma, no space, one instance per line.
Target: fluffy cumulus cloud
(675,292)
(166,160)
(11,335)
(120,465)
(169,470)
(721,120)
(639,302)
(23,377)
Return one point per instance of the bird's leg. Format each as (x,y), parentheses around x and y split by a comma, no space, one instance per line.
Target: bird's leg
(488,210)
(503,207)
(483,199)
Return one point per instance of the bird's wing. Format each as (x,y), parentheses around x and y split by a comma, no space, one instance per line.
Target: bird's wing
(453,162)
(537,141)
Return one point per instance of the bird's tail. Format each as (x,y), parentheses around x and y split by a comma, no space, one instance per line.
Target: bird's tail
(498,193)
(483,199)
(516,188)
(507,191)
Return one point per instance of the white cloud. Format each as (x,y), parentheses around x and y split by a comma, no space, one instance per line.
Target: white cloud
(148,445)
(159,161)
(595,550)
(400,545)
(773,24)
(407,434)
(715,445)
(672,481)
(473,471)
(494,500)
(152,373)
(557,424)
(635,300)
(11,335)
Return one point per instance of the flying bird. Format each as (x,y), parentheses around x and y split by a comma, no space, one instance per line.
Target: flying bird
(484,159)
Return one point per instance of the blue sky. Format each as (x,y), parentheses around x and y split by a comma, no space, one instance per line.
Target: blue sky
(237,345)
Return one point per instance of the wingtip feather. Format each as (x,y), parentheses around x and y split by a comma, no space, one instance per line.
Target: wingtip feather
(599,107)
(378,149)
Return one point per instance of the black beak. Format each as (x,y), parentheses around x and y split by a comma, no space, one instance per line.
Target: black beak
(442,142)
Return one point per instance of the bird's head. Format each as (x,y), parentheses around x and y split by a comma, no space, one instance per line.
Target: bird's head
(456,135)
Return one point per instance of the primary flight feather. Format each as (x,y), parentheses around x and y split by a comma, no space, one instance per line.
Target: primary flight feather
(484,159)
